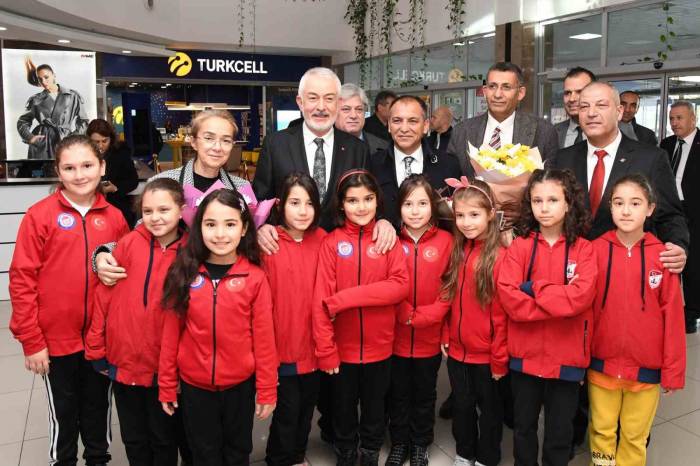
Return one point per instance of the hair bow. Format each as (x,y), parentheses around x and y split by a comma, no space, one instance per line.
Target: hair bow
(461,183)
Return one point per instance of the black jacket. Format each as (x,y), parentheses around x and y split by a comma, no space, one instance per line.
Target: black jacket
(668,221)
(283,152)
(436,167)
(121,172)
(691,206)
(374,125)
(644,134)
(444,140)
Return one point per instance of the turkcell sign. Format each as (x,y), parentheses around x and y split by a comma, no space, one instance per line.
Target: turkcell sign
(195,64)
(231,66)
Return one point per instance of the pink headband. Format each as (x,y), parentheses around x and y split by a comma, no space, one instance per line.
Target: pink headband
(350,173)
(463,183)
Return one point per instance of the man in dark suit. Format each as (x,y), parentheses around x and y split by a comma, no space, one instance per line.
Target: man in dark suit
(377,123)
(440,129)
(568,131)
(628,124)
(503,123)
(409,154)
(599,113)
(352,106)
(683,149)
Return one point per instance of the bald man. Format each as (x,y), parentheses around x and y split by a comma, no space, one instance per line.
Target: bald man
(440,129)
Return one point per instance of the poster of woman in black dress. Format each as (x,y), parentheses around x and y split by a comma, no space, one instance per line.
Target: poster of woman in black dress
(64,105)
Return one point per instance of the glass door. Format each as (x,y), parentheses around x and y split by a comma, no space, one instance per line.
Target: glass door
(685,86)
(649,91)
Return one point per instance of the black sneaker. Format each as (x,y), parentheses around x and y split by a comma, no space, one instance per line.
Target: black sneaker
(398,455)
(345,457)
(419,456)
(369,457)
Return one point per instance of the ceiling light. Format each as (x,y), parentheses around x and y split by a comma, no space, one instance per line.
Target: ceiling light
(689,79)
(63,41)
(490,34)
(471,42)
(585,36)
(126,51)
(134,84)
(458,44)
(3,28)
(163,87)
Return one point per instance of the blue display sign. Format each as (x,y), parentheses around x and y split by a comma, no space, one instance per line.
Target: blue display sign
(209,65)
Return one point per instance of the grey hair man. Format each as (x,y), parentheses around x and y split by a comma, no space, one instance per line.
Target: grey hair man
(352,107)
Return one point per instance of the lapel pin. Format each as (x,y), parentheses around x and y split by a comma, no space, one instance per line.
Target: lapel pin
(623,160)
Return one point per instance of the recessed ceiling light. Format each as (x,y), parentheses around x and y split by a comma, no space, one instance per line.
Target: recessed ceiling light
(490,34)
(63,41)
(163,87)
(126,51)
(471,42)
(585,36)
(3,28)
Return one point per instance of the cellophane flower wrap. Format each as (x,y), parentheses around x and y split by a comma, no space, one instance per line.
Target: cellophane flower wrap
(507,171)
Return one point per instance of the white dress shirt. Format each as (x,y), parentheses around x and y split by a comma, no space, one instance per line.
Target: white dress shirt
(310,146)
(506,127)
(572,134)
(416,165)
(608,160)
(685,152)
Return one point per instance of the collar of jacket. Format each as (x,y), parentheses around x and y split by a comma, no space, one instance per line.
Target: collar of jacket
(354,229)
(240,268)
(100,201)
(648,238)
(427,234)
(285,236)
(540,236)
(148,236)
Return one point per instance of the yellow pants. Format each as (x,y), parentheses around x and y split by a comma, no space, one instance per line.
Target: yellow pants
(635,413)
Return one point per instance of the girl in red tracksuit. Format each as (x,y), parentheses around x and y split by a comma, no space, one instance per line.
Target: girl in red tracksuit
(354,313)
(639,341)
(218,341)
(477,353)
(546,285)
(417,357)
(52,288)
(124,338)
(291,272)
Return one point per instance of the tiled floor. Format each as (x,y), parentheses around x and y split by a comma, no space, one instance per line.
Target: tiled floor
(23,425)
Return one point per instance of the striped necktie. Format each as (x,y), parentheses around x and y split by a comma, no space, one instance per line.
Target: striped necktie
(495,141)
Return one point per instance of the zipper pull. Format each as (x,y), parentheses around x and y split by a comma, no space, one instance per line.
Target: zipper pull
(629,252)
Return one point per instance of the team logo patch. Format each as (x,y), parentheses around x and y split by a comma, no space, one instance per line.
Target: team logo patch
(197,282)
(431,254)
(99,222)
(570,270)
(66,221)
(372,252)
(345,249)
(406,249)
(654,279)
(236,283)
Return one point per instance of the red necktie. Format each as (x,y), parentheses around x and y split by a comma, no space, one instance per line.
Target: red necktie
(595,192)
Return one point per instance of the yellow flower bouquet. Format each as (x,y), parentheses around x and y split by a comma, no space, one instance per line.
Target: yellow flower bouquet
(507,170)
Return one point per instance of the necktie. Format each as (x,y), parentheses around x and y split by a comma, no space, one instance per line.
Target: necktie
(319,174)
(676,158)
(595,192)
(495,142)
(407,161)
(579,135)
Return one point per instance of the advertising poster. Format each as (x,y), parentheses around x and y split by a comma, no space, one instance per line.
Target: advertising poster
(49,95)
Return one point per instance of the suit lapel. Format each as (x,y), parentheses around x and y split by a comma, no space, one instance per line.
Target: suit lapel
(298,152)
(524,130)
(691,166)
(581,168)
(477,131)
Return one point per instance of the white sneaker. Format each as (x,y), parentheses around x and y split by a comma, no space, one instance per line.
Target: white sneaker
(459,461)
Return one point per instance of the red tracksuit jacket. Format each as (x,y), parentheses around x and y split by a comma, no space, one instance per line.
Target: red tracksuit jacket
(51,281)
(360,289)
(638,311)
(549,335)
(477,335)
(427,260)
(128,320)
(225,337)
(292,273)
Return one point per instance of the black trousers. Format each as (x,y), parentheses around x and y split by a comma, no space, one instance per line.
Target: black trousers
(412,399)
(291,420)
(477,435)
(366,384)
(79,404)
(325,404)
(219,425)
(147,432)
(560,400)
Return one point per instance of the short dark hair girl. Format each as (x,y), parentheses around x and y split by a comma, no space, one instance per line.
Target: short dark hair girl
(641,181)
(576,220)
(413,182)
(355,179)
(164,184)
(309,185)
(176,292)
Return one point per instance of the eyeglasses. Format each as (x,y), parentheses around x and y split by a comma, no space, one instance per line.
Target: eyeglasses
(211,142)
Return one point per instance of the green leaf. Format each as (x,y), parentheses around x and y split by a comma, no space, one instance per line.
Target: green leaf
(669,20)
(671,33)
(662,37)
(658,54)
(665,6)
